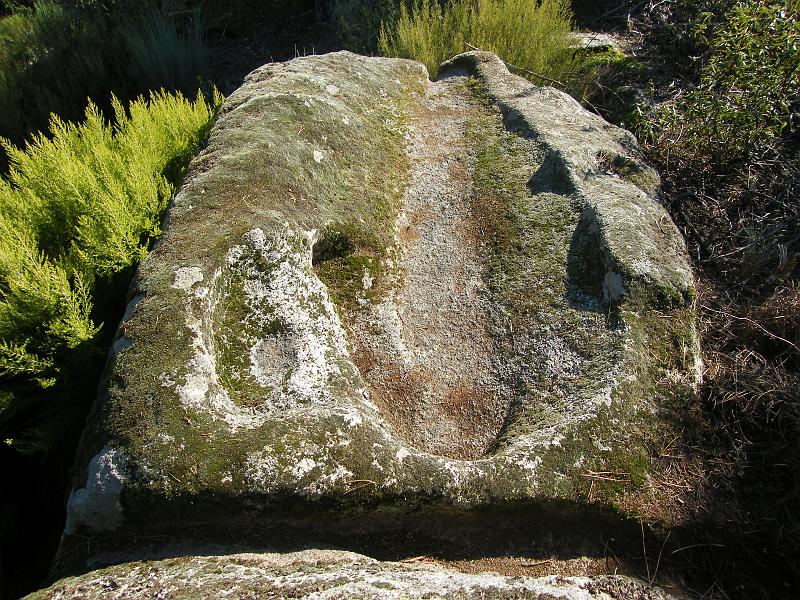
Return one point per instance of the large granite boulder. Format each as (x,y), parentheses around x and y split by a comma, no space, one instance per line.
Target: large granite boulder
(384,306)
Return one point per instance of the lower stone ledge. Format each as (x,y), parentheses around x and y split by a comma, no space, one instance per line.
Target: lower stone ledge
(331,574)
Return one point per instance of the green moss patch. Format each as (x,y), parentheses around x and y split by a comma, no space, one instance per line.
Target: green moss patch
(350,259)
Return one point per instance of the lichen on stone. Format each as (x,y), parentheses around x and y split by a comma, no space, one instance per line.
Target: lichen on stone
(330,574)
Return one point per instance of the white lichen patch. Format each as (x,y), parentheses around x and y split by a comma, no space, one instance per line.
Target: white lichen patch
(261,469)
(303,467)
(642,266)
(168,379)
(311,470)
(459,475)
(97,505)
(185,277)
(367,280)
(201,374)
(560,361)
(293,364)
(272,360)
(312,347)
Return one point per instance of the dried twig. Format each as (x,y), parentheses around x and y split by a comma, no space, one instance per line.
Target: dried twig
(760,327)
(607,475)
(658,562)
(644,551)
(364,483)
(537,563)
(697,546)
(415,559)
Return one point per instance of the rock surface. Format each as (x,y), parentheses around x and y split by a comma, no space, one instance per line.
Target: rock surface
(381,304)
(328,574)
(596,41)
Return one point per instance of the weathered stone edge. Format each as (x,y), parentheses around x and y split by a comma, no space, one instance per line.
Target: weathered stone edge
(653,264)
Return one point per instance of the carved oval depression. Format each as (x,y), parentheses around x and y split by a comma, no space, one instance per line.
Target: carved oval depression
(495,328)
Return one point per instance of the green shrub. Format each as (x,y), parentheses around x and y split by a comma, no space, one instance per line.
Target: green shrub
(56,56)
(10,6)
(49,62)
(749,87)
(530,34)
(78,208)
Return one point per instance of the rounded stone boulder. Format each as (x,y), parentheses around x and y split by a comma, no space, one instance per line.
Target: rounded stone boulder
(387,308)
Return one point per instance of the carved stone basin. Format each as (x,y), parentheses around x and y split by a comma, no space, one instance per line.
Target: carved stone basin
(381,294)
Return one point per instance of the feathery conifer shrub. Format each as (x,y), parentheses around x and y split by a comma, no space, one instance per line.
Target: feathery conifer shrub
(56,55)
(50,61)
(79,207)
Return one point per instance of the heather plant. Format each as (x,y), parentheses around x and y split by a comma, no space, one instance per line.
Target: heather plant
(9,6)
(530,35)
(80,206)
(56,55)
(50,61)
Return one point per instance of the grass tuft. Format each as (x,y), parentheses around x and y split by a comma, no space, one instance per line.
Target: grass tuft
(164,55)
(531,34)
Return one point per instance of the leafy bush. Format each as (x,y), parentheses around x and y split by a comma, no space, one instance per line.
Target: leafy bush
(78,208)
(529,34)
(724,134)
(749,86)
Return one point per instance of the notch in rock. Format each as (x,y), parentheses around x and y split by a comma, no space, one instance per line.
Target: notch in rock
(334,242)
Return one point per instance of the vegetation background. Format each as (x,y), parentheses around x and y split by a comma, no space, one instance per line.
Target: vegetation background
(711,87)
